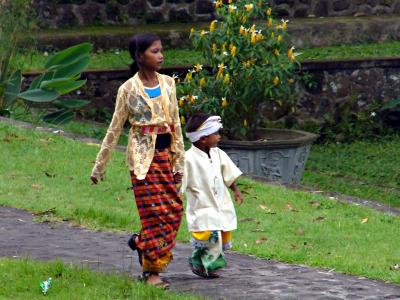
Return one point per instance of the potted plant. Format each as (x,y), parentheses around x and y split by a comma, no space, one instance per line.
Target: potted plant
(250,65)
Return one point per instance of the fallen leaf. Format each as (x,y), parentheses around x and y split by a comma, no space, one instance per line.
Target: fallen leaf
(261,240)
(258,230)
(300,231)
(395,267)
(365,220)
(266,209)
(289,207)
(120,198)
(248,220)
(36,186)
(93,144)
(320,218)
(49,175)
(315,203)
(294,247)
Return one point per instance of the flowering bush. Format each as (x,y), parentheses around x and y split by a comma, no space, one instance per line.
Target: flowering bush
(250,64)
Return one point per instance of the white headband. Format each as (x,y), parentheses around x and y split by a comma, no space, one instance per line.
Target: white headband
(210,126)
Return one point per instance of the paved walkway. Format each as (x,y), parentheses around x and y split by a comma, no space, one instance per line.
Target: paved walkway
(246,278)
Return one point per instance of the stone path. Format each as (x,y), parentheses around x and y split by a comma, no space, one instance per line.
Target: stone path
(246,278)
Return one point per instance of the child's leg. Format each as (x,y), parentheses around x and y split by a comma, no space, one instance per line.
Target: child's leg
(200,244)
(208,253)
(226,240)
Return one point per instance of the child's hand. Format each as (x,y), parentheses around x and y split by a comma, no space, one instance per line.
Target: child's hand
(178,177)
(238,197)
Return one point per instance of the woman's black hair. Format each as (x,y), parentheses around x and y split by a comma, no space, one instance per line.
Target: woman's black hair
(138,44)
(195,121)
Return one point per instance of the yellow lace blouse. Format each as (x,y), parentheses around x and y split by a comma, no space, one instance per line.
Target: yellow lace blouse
(134,105)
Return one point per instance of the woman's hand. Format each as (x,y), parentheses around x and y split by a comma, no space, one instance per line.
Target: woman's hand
(178,177)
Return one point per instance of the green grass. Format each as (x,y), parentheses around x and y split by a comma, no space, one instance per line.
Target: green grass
(20,279)
(364,169)
(299,227)
(114,59)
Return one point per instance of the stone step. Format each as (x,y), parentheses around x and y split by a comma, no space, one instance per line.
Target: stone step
(305,32)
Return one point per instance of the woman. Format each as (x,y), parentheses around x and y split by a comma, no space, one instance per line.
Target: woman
(155,154)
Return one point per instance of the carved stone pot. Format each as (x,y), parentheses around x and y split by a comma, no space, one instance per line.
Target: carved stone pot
(278,155)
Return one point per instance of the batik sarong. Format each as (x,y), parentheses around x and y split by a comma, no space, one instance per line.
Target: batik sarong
(160,210)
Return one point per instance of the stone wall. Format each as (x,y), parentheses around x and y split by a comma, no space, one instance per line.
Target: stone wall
(66,13)
(336,83)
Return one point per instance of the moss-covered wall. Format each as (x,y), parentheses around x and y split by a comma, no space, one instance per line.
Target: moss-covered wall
(67,13)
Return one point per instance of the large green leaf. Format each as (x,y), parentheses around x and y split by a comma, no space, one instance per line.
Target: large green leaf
(72,69)
(69,55)
(72,103)
(62,85)
(39,79)
(13,87)
(59,117)
(392,104)
(39,95)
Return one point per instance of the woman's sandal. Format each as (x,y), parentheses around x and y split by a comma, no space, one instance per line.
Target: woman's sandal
(144,277)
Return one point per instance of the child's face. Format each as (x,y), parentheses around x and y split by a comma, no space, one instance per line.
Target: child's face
(211,141)
(153,57)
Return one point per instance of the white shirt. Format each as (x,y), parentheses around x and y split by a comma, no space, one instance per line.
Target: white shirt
(206,181)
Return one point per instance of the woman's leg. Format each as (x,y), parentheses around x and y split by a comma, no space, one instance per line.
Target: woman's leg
(160,210)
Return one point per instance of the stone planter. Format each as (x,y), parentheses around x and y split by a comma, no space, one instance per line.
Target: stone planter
(280,155)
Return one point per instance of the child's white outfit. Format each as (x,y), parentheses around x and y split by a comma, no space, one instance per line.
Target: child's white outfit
(210,212)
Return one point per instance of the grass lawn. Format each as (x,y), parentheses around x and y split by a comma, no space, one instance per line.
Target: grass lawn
(41,171)
(364,169)
(111,59)
(20,279)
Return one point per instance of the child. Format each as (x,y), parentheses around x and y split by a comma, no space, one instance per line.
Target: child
(210,212)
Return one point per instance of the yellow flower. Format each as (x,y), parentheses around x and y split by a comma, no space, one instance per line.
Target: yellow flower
(198,67)
(224,102)
(259,3)
(253,28)
(218,3)
(276,52)
(269,11)
(214,48)
(259,37)
(181,101)
(232,8)
(233,51)
(182,120)
(244,18)
(221,68)
(202,82)
(212,25)
(272,35)
(192,30)
(242,30)
(253,39)
(284,24)
(276,81)
(269,23)
(248,7)
(189,76)
(223,47)
(203,32)
(291,54)
(280,38)
(245,124)
(226,78)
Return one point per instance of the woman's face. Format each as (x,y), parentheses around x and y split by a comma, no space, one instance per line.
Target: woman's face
(153,57)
